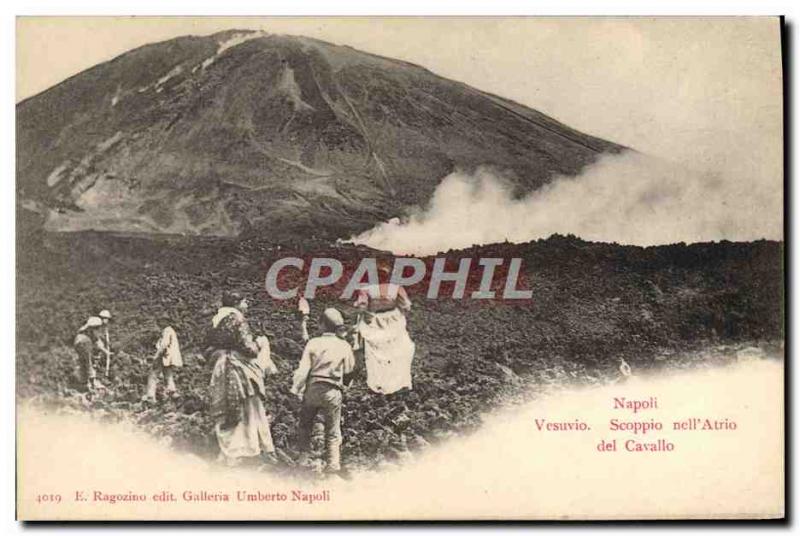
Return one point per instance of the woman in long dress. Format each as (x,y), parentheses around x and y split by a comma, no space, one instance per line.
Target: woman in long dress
(381,328)
(241,363)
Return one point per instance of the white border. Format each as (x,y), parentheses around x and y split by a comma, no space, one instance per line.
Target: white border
(11,9)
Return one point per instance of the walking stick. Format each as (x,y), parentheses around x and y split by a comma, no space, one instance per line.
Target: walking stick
(108,353)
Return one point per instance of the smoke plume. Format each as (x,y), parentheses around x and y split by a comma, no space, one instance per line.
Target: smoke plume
(629,199)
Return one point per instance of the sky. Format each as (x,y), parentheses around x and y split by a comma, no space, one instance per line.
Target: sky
(702,92)
(632,80)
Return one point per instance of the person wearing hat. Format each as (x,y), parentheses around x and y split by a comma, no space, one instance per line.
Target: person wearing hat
(167,358)
(319,381)
(241,363)
(86,342)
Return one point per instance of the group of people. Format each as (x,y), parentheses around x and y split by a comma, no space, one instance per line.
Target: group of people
(243,363)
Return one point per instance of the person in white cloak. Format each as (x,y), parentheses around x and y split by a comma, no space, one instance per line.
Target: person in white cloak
(381,328)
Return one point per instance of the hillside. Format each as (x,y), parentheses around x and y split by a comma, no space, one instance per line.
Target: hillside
(242,132)
(660,308)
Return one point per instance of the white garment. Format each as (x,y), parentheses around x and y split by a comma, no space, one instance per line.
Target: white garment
(388,351)
(251,436)
(222,312)
(169,349)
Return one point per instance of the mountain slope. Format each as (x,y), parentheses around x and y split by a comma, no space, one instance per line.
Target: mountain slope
(244,131)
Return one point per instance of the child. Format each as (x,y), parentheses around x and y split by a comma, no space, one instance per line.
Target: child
(319,382)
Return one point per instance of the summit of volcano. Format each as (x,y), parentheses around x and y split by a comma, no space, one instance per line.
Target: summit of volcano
(243,131)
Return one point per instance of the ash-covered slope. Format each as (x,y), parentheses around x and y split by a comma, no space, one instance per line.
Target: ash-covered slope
(653,306)
(247,131)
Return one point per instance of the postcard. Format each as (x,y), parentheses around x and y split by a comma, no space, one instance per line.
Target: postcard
(400,268)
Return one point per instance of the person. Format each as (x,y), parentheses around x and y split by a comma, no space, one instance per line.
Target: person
(87,342)
(237,388)
(166,360)
(319,381)
(383,336)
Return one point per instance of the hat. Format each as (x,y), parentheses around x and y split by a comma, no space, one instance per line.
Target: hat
(93,322)
(333,318)
(105,313)
(231,299)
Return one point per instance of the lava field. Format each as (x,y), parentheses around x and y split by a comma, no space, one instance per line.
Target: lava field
(592,304)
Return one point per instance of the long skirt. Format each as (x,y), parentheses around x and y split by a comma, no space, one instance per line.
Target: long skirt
(240,420)
(250,436)
(388,351)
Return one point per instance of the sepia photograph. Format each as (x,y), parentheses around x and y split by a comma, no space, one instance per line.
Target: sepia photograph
(399,268)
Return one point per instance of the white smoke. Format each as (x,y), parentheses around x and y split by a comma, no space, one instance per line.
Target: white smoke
(629,199)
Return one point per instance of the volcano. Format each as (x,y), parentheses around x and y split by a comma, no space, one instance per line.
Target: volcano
(245,132)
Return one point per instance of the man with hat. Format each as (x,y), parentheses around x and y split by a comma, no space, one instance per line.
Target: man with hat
(319,381)
(85,343)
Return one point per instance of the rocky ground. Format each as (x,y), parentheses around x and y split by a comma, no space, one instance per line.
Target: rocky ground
(592,304)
